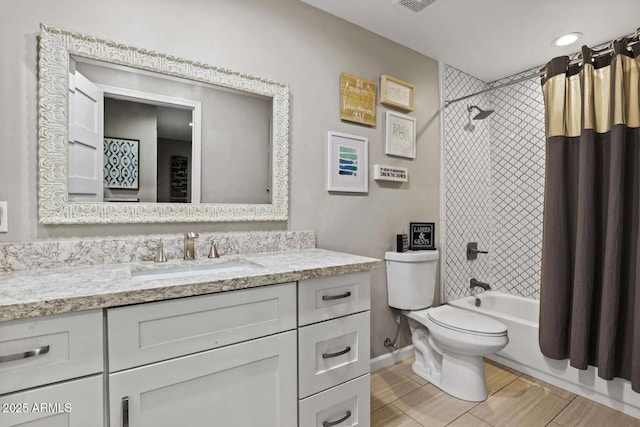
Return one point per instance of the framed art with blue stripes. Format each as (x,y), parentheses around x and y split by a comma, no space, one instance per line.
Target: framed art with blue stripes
(347,163)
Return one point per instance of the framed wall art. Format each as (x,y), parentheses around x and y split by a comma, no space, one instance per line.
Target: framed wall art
(179,181)
(358,99)
(422,236)
(347,163)
(400,135)
(396,93)
(121,163)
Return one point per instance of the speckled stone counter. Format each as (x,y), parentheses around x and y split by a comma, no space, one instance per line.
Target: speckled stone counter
(41,292)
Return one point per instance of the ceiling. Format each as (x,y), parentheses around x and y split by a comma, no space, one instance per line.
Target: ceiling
(491,39)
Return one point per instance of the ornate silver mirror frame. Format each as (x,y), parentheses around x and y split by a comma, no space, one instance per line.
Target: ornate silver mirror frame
(54,208)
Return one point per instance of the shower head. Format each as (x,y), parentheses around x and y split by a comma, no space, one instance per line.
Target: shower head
(482,114)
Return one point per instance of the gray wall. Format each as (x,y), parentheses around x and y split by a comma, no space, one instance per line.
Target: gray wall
(283,40)
(132,120)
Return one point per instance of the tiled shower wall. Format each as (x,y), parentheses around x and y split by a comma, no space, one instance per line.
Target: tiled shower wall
(494,183)
(467,176)
(517,185)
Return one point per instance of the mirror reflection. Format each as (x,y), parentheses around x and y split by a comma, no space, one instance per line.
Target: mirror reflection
(138,136)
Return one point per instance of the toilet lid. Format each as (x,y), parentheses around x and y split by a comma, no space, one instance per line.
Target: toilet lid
(465,321)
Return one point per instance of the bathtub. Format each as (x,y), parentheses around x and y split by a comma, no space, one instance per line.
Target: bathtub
(523,354)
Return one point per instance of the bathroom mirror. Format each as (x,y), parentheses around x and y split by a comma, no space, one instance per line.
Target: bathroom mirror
(129,135)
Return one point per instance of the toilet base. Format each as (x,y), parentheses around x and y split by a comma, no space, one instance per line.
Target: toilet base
(461,376)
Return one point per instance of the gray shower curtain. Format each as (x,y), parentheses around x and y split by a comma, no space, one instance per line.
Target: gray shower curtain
(590,290)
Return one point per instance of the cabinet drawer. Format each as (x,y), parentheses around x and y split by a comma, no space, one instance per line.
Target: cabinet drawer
(330,297)
(348,403)
(48,349)
(333,352)
(152,332)
(242,385)
(76,403)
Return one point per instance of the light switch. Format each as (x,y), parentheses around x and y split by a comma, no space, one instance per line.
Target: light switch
(4,218)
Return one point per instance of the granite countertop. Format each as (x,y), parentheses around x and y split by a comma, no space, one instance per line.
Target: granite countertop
(43,292)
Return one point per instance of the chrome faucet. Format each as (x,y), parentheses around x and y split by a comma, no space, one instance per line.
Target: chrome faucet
(474,283)
(190,245)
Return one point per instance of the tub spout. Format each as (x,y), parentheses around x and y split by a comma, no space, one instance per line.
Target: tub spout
(474,283)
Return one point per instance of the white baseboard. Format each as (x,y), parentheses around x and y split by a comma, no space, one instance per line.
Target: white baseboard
(391,358)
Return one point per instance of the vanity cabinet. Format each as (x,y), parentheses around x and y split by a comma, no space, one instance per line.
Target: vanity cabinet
(247,384)
(40,351)
(284,355)
(333,351)
(76,403)
(43,350)
(222,359)
(145,333)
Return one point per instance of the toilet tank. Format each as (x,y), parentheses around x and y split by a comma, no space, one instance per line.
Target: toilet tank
(411,279)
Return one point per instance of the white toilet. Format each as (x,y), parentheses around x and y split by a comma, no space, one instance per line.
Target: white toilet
(449,342)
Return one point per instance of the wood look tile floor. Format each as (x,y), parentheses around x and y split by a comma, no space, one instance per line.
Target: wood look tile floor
(400,398)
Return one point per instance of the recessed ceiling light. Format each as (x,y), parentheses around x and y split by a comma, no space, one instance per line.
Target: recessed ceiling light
(191,124)
(566,39)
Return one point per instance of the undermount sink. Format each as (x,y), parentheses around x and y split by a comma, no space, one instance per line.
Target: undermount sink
(179,271)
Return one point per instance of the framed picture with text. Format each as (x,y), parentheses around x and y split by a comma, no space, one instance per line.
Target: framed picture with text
(422,236)
(396,93)
(400,135)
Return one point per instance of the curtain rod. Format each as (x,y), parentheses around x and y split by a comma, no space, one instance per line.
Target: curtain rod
(542,72)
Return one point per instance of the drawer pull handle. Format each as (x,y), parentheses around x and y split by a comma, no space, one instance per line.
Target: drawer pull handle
(125,411)
(332,297)
(340,353)
(31,353)
(335,423)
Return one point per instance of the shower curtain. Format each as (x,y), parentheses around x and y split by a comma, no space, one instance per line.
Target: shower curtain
(590,289)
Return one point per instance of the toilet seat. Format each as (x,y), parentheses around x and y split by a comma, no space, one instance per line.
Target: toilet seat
(463,321)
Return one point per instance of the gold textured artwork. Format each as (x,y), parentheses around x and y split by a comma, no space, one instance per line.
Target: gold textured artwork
(357,100)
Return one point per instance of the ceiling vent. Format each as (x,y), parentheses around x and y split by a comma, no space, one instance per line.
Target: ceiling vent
(414,5)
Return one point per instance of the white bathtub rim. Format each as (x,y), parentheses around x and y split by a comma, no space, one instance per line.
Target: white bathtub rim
(462,303)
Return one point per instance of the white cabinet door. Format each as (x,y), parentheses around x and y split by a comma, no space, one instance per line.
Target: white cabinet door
(243,385)
(75,403)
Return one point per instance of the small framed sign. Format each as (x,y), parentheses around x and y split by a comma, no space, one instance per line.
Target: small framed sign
(422,235)
(390,173)
(396,93)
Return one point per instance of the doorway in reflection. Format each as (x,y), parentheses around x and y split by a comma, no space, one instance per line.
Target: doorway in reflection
(160,137)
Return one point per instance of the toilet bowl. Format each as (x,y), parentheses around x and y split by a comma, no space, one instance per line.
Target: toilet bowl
(449,342)
(449,346)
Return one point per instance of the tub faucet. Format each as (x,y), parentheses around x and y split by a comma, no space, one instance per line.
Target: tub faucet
(474,283)
(190,245)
